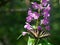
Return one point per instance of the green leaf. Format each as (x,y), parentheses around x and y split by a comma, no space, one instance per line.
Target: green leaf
(40,44)
(19,36)
(46,42)
(31,41)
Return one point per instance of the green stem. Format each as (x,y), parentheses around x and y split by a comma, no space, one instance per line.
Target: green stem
(41,1)
(36,41)
(37,23)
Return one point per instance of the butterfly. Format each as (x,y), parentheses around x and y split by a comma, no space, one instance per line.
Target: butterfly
(36,34)
(39,34)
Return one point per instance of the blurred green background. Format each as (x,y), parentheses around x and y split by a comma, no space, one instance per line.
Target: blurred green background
(12,20)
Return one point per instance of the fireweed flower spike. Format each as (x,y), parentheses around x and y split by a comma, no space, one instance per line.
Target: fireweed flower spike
(44,8)
(41,25)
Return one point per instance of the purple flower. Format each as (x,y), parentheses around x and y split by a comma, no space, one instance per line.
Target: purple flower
(39,28)
(46,11)
(35,15)
(28,26)
(40,6)
(35,5)
(24,33)
(48,7)
(44,2)
(45,21)
(29,12)
(46,14)
(29,19)
(47,27)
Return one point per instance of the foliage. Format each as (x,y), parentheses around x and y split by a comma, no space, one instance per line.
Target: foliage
(11,23)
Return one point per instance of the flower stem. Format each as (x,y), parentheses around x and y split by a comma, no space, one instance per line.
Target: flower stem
(37,23)
(36,41)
